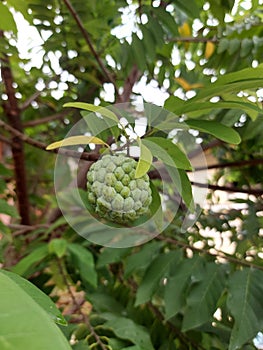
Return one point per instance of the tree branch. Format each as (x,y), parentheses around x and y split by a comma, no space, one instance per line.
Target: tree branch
(12,113)
(78,307)
(193,40)
(47,119)
(255,192)
(28,102)
(93,156)
(239,163)
(89,42)
(218,253)
(131,79)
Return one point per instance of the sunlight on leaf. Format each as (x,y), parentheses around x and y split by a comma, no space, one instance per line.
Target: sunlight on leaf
(92,108)
(145,160)
(77,140)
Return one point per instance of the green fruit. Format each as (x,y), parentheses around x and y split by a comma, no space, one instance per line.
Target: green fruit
(113,191)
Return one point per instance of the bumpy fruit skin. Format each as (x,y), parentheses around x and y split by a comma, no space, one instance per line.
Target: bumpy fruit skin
(114,192)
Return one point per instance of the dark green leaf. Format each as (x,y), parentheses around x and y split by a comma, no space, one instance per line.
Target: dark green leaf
(216,129)
(141,260)
(84,261)
(246,47)
(154,275)
(188,7)
(126,328)
(35,257)
(203,297)
(7,209)
(175,289)
(112,255)
(245,304)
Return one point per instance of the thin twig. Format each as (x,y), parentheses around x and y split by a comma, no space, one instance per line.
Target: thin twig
(28,102)
(231,164)
(193,40)
(6,140)
(89,42)
(47,119)
(255,192)
(173,328)
(218,254)
(77,305)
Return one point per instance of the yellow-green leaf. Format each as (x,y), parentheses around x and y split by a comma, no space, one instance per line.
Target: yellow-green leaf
(92,108)
(77,140)
(145,160)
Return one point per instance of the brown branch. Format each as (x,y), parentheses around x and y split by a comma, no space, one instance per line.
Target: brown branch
(77,307)
(206,147)
(128,84)
(193,40)
(12,113)
(28,102)
(240,163)
(48,119)
(5,140)
(183,337)
(154,174)
(217,254)
(93,156)
(233,189)
(89,42)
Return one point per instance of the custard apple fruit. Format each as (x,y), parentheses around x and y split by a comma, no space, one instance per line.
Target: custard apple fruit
(113,191)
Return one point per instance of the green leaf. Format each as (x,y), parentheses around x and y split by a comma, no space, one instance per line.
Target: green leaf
(246,47)
(38,296)
(21,6)
(58,246)
(245,304)
(101,128)
(35,257)
(83,260)
(216,129)
(7,20)
(188,7)
(76,140)
(182,185)
(223,45)
(106,303)
(137,49)
(92,108)
(234,45)
(125,328)
(156,207)
(203,297)
(141,260)
(167,152)
(145,160)
(112,255)
(175,289)
(7,209)
(154,275)
(23,323)
(4,171)
(148,42)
